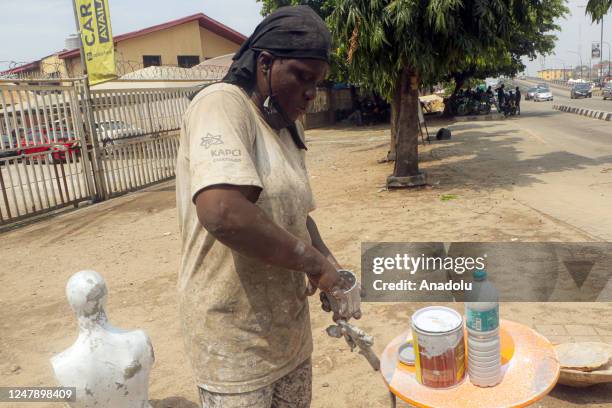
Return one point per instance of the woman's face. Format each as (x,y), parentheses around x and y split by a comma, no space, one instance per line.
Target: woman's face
(294,82)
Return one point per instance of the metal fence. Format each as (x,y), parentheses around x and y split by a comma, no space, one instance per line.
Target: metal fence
(63,144)
(44,159)
(137,131)
(60,145)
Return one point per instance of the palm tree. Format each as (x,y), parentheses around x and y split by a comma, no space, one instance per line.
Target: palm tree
(598,8)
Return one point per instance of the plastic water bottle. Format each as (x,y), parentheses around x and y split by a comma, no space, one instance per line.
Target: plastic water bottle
(483,340)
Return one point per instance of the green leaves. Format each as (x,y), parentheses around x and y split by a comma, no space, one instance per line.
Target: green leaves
(448,197)
(439,39)
(598,8)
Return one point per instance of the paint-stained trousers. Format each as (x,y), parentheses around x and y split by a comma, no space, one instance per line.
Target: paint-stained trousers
(291,391)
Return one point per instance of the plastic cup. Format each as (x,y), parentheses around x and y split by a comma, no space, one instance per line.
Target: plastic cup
(353,296)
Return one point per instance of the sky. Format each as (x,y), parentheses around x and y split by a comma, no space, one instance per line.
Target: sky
(576,36)
(31,29)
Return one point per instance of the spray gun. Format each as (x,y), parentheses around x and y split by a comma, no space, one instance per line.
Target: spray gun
(350,306)
(355,337)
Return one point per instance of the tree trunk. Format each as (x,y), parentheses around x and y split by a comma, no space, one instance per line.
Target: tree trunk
(459,81)
(394,123)
(407,132)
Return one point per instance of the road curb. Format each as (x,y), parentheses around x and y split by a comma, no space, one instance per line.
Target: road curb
(595,114)
(493,116)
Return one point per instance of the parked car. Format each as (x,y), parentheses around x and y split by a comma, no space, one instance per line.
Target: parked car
(530,93)
(581,90)
(607,91)
(543,94)
(37,140)
(7,150)
(109,132)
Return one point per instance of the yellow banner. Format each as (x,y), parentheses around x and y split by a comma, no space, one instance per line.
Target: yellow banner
(97,38)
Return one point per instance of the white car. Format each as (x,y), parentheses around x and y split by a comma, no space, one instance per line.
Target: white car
(114,130)
(543,94)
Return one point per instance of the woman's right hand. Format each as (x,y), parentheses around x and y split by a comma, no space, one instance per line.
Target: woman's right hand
(329,280)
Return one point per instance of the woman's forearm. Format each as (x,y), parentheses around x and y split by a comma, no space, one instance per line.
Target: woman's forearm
(318,243)
(245,228)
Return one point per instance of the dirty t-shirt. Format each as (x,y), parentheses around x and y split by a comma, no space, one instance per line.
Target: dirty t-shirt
(245,324)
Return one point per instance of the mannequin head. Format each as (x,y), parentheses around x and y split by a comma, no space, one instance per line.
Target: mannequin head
(87,294)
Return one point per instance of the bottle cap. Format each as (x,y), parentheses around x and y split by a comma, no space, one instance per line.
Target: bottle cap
(480,274)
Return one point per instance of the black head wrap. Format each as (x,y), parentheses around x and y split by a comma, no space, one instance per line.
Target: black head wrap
(289,32)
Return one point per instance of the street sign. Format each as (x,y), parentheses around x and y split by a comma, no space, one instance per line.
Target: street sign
(595,50)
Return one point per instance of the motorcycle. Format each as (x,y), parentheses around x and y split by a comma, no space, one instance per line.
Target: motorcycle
(509,106)
(470,104)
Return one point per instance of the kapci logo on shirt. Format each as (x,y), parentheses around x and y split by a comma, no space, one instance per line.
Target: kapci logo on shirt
(225,152)
(209,140)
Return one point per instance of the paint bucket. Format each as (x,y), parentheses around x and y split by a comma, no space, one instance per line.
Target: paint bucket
(439,346)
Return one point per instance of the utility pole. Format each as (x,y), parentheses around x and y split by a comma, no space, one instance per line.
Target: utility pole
(601,56)
(580,57)
(608,44)
(580,50)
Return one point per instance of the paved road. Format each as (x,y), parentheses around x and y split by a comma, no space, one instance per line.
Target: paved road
(576,171)
(562,96)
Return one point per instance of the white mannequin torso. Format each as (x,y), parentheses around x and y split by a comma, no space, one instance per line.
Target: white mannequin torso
(108,366)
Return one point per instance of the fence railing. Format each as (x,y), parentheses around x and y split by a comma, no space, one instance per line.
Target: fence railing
(60,145)
(129,113)
(137,132)
(44,156)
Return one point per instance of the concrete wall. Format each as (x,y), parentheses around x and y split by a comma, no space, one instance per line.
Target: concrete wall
(213,45)
(53,66)
(185,39)
(169,43)
(73,67)
(318,119)
(555,74)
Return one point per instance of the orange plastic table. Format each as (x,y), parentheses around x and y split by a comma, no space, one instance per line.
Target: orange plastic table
(530,370)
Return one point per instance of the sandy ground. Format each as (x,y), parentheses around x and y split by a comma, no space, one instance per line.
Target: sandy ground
(133,242)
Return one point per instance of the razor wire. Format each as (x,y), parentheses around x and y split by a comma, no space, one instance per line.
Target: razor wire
(126,70)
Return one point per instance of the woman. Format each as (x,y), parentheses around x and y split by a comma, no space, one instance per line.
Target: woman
(243,198)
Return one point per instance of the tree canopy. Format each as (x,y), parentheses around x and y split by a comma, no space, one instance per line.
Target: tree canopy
(321,7)
(485,38)
(441,38)
(395,46)
(597,9)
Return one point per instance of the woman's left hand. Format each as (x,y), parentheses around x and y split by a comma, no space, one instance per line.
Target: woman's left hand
(311,287)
